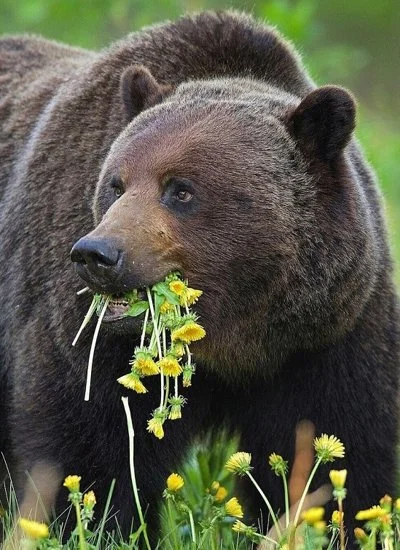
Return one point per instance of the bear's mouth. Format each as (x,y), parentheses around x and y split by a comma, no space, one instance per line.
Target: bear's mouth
(118,306)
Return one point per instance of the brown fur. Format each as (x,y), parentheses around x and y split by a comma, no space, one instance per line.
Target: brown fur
(286,239)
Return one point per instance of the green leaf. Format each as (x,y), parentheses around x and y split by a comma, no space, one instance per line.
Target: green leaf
(163,290)
(137,309)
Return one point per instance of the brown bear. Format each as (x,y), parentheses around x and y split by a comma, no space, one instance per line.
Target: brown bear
(219,158)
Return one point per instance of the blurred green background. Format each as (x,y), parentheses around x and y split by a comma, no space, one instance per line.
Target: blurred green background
(354,43)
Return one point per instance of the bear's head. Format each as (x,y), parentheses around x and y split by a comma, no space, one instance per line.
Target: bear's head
(249,193)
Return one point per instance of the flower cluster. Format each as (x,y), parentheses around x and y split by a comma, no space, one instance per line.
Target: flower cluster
(169,327)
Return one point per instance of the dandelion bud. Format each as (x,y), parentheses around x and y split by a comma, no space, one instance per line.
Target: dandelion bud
(72,483)
(214,487)
(313,515)
(397,505)
(247,530)
(239,463)
(319,527)
(337,518)
(338,478)
(386,503)
(155,424)
(361,535)
(89,500)
(221,494)
(188,371)
(175,483)
(33,529)
(278,465)
(176,407)
(233,508)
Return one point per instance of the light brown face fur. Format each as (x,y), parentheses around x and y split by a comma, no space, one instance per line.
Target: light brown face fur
(247,231)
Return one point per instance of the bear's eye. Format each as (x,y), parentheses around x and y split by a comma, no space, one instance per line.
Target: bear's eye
(179,195)
(184,195)
(118,187)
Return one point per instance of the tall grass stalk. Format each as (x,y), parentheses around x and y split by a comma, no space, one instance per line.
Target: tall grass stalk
(131,435)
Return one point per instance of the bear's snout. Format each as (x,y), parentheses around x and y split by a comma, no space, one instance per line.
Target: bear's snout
(98,259)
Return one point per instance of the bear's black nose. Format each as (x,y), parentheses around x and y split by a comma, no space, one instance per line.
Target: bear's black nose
(95,252)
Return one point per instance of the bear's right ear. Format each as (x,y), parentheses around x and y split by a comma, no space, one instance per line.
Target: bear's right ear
(323,122)
(140,90)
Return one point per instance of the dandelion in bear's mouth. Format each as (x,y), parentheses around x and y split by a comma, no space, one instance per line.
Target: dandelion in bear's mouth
(168,328)
(239,463)
(233,508)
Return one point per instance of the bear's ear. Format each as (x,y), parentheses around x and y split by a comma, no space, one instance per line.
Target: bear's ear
(140,90)
(323,122)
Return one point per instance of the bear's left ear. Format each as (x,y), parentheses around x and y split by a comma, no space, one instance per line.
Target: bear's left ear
(323,122)
(140,90)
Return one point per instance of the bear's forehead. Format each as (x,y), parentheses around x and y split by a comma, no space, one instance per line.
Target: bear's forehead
(201,130)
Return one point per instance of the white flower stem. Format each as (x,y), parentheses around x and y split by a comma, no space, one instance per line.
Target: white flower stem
(92,348)
(146,318)
(176,387)
(82,291)
(88,316)
(157,336)
(131,435)
(306,488)
(267,502)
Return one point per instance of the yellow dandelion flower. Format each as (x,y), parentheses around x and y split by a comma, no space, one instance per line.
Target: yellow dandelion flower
(189,332)
(246,530)
(89,499)
(175,483)
(178,287)
(386,502)
(190,297)
(361,535)
(155,426)
(221,494)
(239,463)
(179,349)
(337,518)
(233,508)
(132,382)
(338,478)
(313,515)
(320,527)
(72,483)
(166,307)
(328,447)
(144,364)
(34,529)
(169,366)
(278,465)
(239,527)
(372,513)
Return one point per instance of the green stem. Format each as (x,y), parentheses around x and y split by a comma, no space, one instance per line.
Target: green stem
(286,492)
(105,513)
(340,506)
(157,336)
(192,528)
(81,532)
(173,527)
(209,528)
(267,502)
(305,492)
(131,435)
